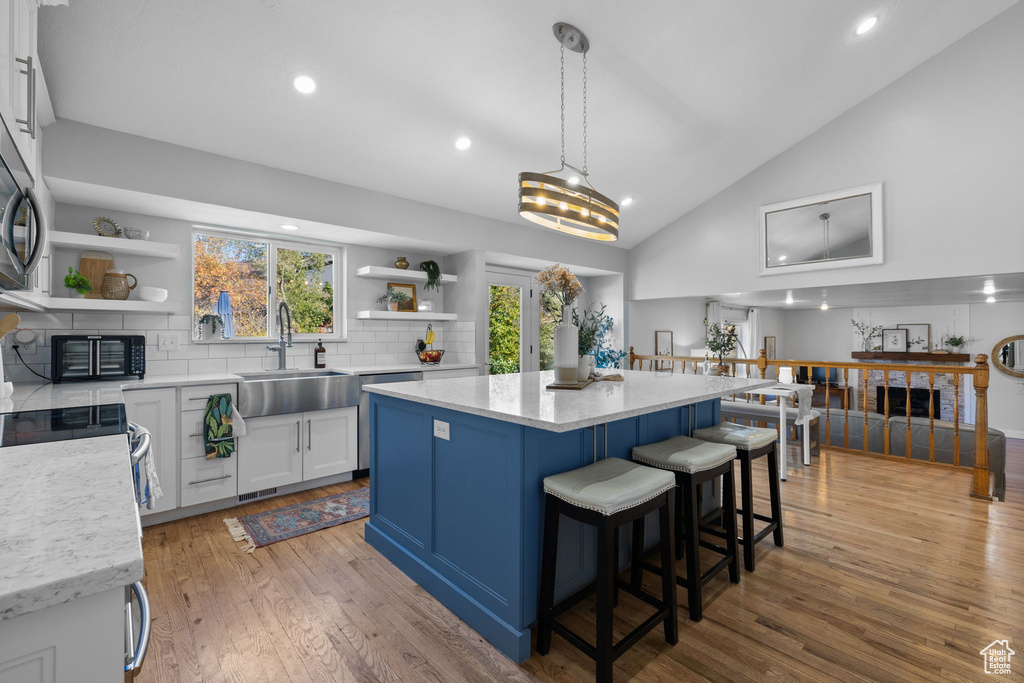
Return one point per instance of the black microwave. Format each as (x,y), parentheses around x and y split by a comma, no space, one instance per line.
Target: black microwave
(97,356)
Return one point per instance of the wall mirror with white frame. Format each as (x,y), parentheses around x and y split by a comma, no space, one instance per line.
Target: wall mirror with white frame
(833,230)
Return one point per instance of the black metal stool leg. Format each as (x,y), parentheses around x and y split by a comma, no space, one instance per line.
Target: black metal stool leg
(636,571)
(547,576)
(606,571)
(729,525)
(615,554)
(775,494)
(692,542)
(668,571)
(748,513)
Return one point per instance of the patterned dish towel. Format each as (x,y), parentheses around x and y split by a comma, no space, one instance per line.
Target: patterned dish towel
(218,436)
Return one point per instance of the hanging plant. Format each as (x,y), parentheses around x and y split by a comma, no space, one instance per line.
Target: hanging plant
(433,272)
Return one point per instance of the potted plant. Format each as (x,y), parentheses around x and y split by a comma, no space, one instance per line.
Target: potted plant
(392,298)
(560,282)
(956,342)
(866,333)
(77,283)
(433,272)
(721,341)
(208,325)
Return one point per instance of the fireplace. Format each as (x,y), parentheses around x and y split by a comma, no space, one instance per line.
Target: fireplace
(898,401)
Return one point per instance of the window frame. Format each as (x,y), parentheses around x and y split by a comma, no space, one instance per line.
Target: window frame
(273,242)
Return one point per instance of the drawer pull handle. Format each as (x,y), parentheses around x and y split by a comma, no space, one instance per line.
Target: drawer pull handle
(226,438)
(203,481)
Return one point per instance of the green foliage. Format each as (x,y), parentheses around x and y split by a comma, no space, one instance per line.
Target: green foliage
(433,272)
(212,318)
(301,283)
(76,281)
(956,341)
(240,268)
(393,295)
(721,340)
(504,329)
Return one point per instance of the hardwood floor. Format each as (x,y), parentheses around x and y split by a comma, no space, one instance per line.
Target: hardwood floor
(890,573)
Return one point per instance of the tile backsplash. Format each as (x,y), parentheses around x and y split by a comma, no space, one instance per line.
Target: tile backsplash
(370,342)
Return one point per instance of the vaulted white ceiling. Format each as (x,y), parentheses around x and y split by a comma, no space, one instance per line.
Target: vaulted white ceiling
(685,96)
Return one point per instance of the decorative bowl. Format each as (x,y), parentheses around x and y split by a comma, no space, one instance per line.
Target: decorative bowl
(135,233)
(154,294)
(431,356)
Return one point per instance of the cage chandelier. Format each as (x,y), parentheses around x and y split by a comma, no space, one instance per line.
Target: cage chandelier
(565,203)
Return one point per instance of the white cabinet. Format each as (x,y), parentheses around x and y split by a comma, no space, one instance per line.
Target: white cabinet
(331,442)
(286,449)
(19,75)
(156,410)
(202,480)
(272,452)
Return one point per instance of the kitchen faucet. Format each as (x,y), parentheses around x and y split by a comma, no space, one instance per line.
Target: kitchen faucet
(282,343)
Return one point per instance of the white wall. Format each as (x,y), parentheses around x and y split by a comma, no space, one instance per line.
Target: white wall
(77,153)
(945,140)
(991,323)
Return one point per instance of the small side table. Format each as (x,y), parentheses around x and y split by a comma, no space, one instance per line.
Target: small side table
(803,392)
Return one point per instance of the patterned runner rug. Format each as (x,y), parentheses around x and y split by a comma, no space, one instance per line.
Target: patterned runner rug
(279,524)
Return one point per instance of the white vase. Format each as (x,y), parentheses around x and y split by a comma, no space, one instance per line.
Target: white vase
(567,347)
(584,368)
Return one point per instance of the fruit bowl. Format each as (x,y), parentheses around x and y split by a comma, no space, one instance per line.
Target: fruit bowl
(430,356)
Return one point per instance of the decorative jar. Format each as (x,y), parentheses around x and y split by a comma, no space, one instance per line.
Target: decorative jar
(115,285)
(584,368)
(401,263)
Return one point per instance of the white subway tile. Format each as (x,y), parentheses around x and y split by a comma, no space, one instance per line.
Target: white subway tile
(167,367)
(386,336)
(351,348)
(204,365)
(359,336)
(153,353)
(257,350)
(363,359)
(244,364)
(375,325)
(100,321)
(46,321)
(189,352)
(145,322)
(386,358)
(179,322)
(226,350)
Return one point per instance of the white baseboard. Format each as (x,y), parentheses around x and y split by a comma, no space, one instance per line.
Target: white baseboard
(1013,433)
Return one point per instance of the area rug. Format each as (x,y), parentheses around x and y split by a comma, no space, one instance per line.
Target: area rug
(279,524)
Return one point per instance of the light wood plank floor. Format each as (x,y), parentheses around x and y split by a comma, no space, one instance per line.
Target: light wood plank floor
(889,573)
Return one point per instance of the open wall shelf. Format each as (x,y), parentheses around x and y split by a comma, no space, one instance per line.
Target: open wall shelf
(404,315)
(109,305)
(396,275)
(113,245)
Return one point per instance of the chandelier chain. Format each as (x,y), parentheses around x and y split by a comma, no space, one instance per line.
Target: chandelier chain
(584,112)
(563,103)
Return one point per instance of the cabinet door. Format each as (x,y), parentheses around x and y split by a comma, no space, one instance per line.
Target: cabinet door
(331,442)
(6,60)
(156,410)
(270,453)
(23,19)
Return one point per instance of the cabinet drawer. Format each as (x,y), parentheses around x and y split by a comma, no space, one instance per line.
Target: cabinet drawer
(204,480)
(192,445)
(194,398)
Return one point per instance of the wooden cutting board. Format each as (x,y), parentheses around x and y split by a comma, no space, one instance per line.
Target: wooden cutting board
(93,265)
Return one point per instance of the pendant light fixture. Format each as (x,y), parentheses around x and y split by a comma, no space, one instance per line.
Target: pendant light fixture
(825,236)
(564,201)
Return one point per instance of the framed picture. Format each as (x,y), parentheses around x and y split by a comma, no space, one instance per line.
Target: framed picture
(410,290)
(919,337)
(769,348)
(894,341)
(663,343)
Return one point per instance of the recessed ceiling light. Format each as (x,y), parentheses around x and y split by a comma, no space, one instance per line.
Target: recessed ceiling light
(824,307)
(626,202)
(990,300)
(304,84)
(462,144)
(990,287)
(866,25)
(789,297)
(782,258)
(289,227)
(574,180)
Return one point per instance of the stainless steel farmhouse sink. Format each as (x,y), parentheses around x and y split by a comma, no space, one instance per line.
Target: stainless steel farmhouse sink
(295,391)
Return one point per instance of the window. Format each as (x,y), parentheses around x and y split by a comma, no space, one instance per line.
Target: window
(235,293)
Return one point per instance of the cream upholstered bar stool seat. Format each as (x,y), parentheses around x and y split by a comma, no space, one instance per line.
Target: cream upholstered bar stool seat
(751,443)
(606,495)
(694,463)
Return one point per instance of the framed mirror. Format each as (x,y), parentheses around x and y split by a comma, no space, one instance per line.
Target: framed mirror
(833,230)
(1008,356)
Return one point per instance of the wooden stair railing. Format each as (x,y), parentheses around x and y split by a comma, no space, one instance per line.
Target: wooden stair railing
(979,374)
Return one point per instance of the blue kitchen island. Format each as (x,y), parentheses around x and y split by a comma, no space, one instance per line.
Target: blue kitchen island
(457,465)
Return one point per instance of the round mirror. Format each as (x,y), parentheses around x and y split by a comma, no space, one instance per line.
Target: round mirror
(1008,356)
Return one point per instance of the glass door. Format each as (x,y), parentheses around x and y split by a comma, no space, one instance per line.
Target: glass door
(113,357)
(75,358)
(511,324)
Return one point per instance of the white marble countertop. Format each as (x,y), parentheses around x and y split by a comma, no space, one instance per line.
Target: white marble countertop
(68,523)
(29,396)
(524,399)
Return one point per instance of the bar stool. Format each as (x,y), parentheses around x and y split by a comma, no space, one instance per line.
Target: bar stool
(751,443)
(695,463)
(606,495)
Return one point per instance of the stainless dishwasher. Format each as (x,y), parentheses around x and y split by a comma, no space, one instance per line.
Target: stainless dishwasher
(364,408)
